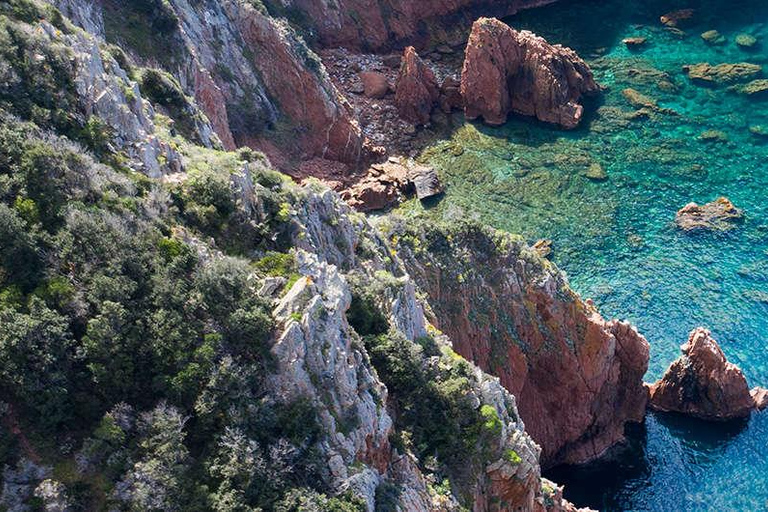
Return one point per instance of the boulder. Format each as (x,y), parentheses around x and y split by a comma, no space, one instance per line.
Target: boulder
(381,187)
(375,84)
(425,181)
(506,70)
(416,91)
(674,18)
(746,41)
(755,88)
(713,37)
(708,74)
(703,384)
(719,215)
(634,42)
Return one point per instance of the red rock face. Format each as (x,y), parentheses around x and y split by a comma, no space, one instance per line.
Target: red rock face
(382,24)
(703,384)
(213,103)
(416,91)
(577,377)
(322,121)
(509,71)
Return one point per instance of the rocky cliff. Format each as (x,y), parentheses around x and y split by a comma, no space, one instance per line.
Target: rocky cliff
(576,376)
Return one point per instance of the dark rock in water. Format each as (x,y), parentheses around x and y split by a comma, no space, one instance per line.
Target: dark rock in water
(703,384)
(755,88)
(425,181)
(674,18)
(713,136)
(506,70)
(719,215)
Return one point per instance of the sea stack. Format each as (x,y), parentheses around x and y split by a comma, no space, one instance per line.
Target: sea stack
(509,71)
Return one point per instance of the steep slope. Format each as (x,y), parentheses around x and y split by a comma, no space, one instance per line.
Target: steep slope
(208,335)
(577,377)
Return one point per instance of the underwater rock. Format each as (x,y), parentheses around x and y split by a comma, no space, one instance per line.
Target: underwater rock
(595,172)
(506,70)
(746,41)
(634,42)
(644,102)
(713,136)
(713,37)
(705,73)
(759,130)
(703,384)
(754,88)
(673,19)
(719,215)
(416,91)
(375,84)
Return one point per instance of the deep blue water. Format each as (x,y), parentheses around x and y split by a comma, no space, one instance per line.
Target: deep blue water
(616,239)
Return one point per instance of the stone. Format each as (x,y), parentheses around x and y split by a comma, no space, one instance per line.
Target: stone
(508,71)
(392,60)
(375,84)
(425,181)
(759,130)
(719,215)
(703,384)
(416,90)
(635,42)
(746,41)
(713,37)
(713,136)
(673,19)
(705,73)
(644,102)
(383,186)
(543,247)
(595,172)
(754,88)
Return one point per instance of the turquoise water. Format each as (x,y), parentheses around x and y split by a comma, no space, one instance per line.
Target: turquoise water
(616,239)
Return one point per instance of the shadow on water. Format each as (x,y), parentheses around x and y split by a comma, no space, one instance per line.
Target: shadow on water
(605,484)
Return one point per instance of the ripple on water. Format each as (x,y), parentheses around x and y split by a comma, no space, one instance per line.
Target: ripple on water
(616,239)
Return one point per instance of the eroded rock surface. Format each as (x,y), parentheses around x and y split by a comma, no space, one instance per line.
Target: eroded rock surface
(703,384)
(577,377)
(507,71)
(719,215)
(416,91)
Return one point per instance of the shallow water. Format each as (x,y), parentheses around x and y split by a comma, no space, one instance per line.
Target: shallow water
(616,239)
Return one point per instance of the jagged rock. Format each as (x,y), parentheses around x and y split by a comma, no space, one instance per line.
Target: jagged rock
(382,187)
(673,19)
(509,71)
(425,181)
(703,384)
(416,91)
(719,215)
(375,84)
(706,73)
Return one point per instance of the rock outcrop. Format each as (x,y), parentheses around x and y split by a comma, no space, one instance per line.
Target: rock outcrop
(507,71)
(703,384)
(576,376)
(416,91)
(719,215)
(386,184)
(708,74)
